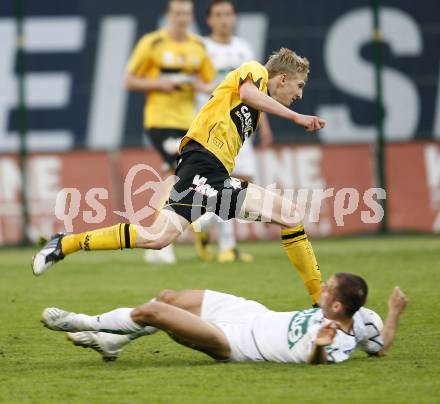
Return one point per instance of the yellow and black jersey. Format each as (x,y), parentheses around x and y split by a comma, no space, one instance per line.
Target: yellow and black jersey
(225,121)
(158,55)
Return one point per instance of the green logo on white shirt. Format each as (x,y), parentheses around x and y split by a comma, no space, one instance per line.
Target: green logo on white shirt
(298,326)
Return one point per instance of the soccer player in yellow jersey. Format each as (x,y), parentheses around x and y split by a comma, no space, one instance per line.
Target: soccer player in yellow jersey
(228,52)
(206,160)
(170,65)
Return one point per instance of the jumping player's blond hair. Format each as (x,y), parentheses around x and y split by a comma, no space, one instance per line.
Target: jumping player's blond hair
(288,62)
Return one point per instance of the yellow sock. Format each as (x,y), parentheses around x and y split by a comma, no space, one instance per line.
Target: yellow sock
(115,237)
(301,255)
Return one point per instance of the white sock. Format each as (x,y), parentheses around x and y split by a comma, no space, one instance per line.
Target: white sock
(117,322)
(226,235)
(148,330)
(122,340)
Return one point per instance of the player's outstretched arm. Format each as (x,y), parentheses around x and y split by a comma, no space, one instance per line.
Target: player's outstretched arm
(135,83)
(253,97)
(396,305)
(325,337)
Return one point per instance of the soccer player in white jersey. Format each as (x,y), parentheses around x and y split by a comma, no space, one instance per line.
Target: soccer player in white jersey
(231,328)
(227,52)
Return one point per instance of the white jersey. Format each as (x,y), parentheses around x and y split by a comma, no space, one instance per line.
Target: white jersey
(289,337)
(225,57)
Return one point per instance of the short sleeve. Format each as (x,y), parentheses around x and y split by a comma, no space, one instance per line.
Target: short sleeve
(341,348)
(141,57)
(368,327)
(255,71)
(371,346)
(336,354)
(372,341)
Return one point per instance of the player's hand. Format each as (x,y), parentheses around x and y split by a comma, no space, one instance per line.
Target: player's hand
(397,301)
(326,334)
(309,122)
(166,85)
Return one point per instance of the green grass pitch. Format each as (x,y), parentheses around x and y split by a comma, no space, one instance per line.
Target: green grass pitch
(38,365)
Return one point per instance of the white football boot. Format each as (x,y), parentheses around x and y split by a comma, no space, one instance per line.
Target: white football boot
(58,320)
(50,254)
(109,346)
(163,256)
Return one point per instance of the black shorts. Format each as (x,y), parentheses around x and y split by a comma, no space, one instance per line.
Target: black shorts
(166,142)
(204,185)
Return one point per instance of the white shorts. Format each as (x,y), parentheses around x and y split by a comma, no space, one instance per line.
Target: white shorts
(234,316)
(246,161)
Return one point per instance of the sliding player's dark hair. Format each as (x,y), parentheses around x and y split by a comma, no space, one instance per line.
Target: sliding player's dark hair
(351,291)
(213,3)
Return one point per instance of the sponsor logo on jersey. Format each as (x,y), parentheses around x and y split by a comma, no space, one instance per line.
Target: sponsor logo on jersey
(245,120)
(219,143)
(298,326)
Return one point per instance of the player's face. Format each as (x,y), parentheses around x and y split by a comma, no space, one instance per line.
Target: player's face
(288,89)
(180,15)
(327,301)
(222,19)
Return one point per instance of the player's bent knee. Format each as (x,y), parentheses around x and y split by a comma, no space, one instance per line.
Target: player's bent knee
(159,244)
(288,224)
(166,296)
(146,314)
(137,315)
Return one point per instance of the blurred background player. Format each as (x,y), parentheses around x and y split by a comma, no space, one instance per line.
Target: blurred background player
(227,53)
(169,65)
